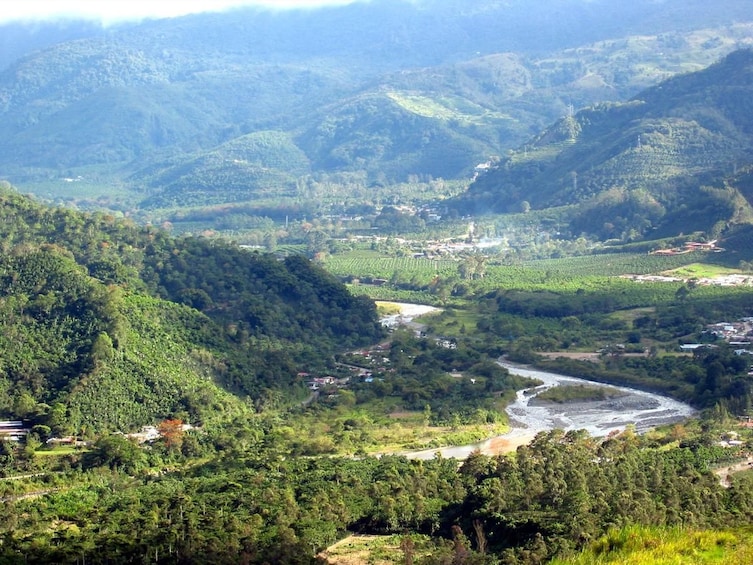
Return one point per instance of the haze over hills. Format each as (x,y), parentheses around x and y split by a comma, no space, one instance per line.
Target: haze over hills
(672,159)
(602,126)
(236,106)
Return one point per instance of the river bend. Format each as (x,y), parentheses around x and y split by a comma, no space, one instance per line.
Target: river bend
(643,410)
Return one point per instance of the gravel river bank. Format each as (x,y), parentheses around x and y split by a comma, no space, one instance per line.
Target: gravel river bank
(528,416)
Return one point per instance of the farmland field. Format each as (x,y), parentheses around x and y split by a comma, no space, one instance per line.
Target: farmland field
(368,264)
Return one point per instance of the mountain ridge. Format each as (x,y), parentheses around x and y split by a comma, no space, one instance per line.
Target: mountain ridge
(150,95)
(673,144)
(120,326)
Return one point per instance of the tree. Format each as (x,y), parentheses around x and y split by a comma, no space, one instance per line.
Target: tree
(117,452)
(270,241)
(102,349)
(409,549)
(481,541)
(682,293)
(171,432)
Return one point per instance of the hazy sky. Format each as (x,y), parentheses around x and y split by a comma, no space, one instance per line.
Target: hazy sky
(117,10)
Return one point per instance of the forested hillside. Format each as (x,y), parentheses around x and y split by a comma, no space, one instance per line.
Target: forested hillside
(673,159)
(110,326)
(559,494)
(217,107)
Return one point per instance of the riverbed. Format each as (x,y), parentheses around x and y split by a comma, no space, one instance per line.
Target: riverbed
(642,410)
(528,417)
(406,314)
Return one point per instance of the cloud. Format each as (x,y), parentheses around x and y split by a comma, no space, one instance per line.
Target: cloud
(120,10)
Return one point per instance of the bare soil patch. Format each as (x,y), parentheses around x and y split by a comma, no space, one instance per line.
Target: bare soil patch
(579,355)
(584,355)
(353,550)
(402,415)
(502,446)
(726,472)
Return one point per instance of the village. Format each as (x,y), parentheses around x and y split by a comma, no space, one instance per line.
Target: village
(737,334)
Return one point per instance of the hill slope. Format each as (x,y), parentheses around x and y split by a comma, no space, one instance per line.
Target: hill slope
(111,326)
(385,88)
(670,160)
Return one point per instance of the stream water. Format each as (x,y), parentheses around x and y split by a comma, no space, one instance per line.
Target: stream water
(643,410)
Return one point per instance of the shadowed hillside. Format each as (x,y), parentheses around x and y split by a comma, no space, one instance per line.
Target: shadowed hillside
(670,160)
(385,90)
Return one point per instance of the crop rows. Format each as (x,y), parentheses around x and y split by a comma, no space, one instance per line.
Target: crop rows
(363,266)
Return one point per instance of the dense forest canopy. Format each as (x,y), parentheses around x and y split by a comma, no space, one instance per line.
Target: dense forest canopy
(96,308)
(253,105)
(558,494)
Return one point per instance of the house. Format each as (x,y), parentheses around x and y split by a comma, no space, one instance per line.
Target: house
(12,430)
(67,440)
(692,346)
(317,382)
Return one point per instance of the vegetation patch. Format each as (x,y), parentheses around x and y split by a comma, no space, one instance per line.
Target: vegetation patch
(387,308)
(377,550)
(639,545)
(578,393)
(701,271)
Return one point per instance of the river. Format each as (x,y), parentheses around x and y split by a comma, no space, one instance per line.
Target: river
(643,410)
(406,314)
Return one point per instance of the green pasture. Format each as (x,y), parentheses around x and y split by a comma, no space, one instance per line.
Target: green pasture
(455,321)
(701,271)
(59,451)
(644,545)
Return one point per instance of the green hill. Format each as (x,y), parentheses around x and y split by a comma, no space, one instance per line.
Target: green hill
(258,165)
(110,326)
(385,90)
(671,160)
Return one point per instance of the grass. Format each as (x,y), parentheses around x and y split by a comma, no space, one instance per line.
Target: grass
(701,271)
(451,322)
(641,545)
(578,393)
(387,308)
(445,108)
(632,314)
(381,426)
(59,451)
(375,550)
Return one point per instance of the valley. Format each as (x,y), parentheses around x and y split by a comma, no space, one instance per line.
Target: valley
(399,282)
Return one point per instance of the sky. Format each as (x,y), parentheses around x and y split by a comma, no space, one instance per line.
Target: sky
(109,11)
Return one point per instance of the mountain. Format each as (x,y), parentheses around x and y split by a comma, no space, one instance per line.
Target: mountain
(674,159)
(111,326)
(20,39)
(384,89)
